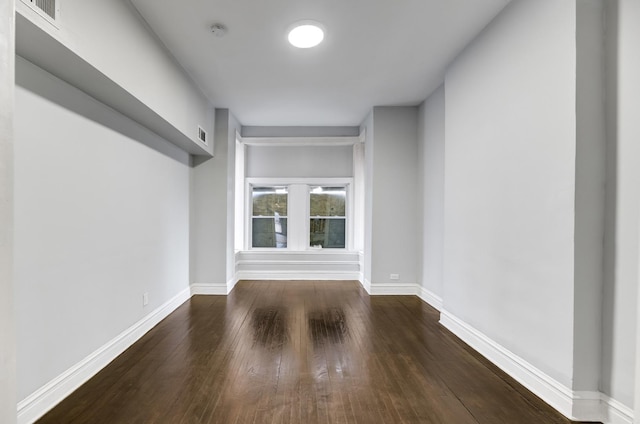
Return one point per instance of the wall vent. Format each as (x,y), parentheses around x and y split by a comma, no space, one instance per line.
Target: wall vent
(47,8)
(202,135)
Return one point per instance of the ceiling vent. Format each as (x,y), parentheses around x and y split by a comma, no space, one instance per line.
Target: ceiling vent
(202,135)
(47,8)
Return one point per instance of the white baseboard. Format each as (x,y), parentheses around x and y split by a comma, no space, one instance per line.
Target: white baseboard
(366,285)
(613,412)
(298,275)
(430,298)
(402,289)
(52,393)
(232,283)
(577,406)
(596,406)
(586,406)
(551,391)
(393,289)
(209,289)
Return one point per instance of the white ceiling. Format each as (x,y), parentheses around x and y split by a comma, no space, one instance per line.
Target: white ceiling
(375,53)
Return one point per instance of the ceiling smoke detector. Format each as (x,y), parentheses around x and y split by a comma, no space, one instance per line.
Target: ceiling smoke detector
(219,30)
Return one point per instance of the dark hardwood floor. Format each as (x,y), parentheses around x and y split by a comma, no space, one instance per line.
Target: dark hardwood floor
(302,352)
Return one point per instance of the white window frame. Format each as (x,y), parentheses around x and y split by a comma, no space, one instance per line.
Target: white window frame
(249,220)
(298,213)
(347,225)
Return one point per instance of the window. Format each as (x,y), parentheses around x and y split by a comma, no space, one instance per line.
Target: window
(327,217)
(298,214)
(269,217)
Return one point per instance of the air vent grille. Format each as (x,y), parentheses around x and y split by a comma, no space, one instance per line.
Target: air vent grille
(47,6)
(202,135)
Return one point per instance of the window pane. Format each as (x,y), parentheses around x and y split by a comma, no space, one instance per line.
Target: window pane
(269,232)
(328,233)
(269,200)
(327,201)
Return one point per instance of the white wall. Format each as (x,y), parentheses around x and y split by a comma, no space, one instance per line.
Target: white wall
(299,161)
(212,202)
(367,128)
(239,174)
(101,218)
(111,36)
(394,197)
(7,319)
(358,199)
(233,129)
(589,195)
(509,184)
(629,131)
(619,356)
(431,141)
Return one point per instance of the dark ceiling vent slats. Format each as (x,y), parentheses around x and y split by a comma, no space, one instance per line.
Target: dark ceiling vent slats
(47,6)
(202,135)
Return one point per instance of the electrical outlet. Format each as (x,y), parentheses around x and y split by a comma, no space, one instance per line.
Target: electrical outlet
(145,299)
(394,276)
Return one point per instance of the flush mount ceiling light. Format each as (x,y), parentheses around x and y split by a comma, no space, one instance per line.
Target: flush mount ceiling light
(306,34)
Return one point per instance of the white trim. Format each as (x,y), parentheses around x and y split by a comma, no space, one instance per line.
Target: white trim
(430,298)
(596,406)
(297,275)
(394,289)
(52,393)
(293,253)
(315,181)
(366,284)
(275,262)
(399,289)
(577,406)
(301,141)
(239,201)
(402,289)
(613,412)
(209,289)
(551,391)
(232,283)
(587,406)
(363,136)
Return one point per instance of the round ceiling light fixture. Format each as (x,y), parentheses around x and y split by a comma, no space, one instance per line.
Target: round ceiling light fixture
(306,34)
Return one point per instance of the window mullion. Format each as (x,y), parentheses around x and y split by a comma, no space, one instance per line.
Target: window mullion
(297,216)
